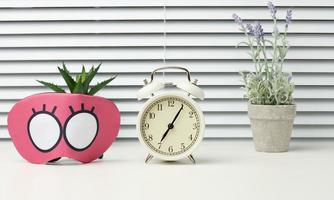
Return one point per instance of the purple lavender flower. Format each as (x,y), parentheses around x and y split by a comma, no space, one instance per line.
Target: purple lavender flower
(258,31)
(272,9)
(237,19)
(288,17)
(250,30)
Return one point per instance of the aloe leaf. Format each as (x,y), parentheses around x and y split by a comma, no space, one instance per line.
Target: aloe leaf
(65,68)
(52,86)
(77,78)
(67,77)
(99,86)
(78,89)
(83,74)
(99,65)
(89,78)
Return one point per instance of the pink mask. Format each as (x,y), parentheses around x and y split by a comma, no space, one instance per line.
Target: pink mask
(47,126)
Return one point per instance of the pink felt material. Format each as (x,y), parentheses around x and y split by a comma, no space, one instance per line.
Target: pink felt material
(105,111)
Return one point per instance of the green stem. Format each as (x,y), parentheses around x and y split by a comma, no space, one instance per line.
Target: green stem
(285,47)
(273,63)
(263,50)
(251,47)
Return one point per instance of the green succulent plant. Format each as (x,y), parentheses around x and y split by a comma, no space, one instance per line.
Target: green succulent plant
(81,84)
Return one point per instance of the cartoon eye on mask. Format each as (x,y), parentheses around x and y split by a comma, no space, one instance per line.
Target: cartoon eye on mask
(48,126)
(81,128)
(44,129)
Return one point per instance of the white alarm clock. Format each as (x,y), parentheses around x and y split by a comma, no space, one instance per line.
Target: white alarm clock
(171,124)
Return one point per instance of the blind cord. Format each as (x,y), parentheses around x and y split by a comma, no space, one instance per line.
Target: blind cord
(164,37)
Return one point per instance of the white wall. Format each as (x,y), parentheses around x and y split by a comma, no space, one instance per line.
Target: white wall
(35,36)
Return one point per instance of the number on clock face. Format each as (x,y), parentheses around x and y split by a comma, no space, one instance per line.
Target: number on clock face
(170,125)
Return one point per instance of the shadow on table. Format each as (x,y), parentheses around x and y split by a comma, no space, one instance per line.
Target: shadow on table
(71,162)
(185,161)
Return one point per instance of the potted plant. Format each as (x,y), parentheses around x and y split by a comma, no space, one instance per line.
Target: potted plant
(269,90)
(47,126)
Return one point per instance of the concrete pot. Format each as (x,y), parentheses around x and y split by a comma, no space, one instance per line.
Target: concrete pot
(271,126)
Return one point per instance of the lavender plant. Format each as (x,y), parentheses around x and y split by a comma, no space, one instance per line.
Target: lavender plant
(268,84)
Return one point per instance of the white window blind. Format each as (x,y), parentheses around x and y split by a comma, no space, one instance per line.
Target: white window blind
(127,36)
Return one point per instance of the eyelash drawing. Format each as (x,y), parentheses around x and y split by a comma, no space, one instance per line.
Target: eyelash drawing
(44,110)
(82,109)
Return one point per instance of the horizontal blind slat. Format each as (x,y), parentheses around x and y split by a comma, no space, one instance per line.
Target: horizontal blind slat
(221,92)
(210,105)
(136,79)
(149,3)
(299,131)
(229,118)
(152,40)
(156,13)
(133,66)
(84,27)
(153,53)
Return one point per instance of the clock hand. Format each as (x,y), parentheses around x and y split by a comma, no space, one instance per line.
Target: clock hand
(177,115)
(171,125)
(165,134)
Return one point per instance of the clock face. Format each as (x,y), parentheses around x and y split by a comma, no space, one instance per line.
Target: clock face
(171,126)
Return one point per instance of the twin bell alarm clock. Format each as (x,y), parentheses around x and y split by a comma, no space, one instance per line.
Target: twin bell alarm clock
(170,124)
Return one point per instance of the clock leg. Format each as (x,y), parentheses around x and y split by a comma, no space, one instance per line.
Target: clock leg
(148,158)
(192,159)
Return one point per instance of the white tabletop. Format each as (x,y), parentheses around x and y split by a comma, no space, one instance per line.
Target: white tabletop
(225,169)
